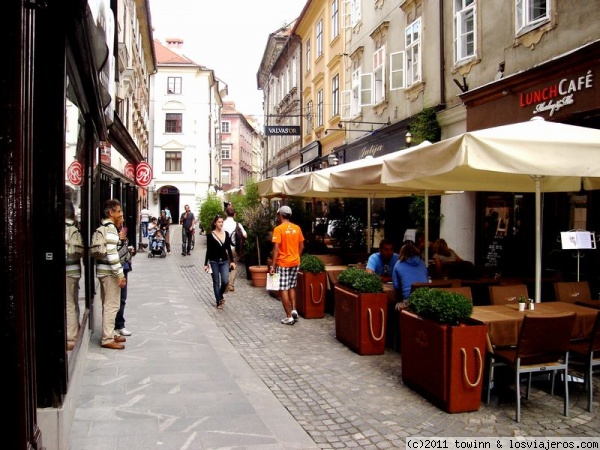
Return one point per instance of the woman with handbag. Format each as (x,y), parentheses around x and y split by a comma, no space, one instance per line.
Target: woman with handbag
(219,258)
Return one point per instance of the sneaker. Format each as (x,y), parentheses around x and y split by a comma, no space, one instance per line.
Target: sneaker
(288,321)
(123,332)
(295,314)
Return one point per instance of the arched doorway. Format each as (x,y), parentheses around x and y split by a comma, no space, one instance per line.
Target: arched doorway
(168,196)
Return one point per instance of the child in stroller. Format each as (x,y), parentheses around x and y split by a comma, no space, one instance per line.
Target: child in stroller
(157,245)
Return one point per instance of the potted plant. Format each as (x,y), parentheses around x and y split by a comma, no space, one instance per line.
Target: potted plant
(311,287)
(360,308)
(443,349)
(522,303)
(258,222)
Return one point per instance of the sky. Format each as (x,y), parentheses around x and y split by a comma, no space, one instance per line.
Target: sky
(227,36)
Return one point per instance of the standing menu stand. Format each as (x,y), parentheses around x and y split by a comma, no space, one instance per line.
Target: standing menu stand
(578,240)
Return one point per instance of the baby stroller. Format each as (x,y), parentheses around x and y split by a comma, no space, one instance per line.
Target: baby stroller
(157,245)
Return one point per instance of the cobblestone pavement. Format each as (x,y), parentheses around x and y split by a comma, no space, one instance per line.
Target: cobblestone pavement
(344,400)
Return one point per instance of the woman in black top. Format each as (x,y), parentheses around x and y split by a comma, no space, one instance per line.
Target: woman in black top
(163,226)
(219,258)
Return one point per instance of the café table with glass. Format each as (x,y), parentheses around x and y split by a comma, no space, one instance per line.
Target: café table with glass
(504,321)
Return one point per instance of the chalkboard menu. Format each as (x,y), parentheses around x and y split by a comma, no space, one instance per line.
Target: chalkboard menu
(495,250)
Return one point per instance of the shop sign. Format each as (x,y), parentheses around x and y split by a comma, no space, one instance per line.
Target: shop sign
(143,174)
(75,173)
(282,130)
(129,171)
(105,151)
(551,99)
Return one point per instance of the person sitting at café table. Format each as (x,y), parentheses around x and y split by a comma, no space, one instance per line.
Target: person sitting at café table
(443,254)
(409,269)
(382,263)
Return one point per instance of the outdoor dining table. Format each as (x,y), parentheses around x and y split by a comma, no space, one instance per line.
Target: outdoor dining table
(504,321)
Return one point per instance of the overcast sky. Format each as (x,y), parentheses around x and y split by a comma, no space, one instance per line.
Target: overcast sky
(228,36)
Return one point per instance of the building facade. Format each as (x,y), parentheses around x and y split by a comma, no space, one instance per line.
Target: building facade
(186,142)
(237,142)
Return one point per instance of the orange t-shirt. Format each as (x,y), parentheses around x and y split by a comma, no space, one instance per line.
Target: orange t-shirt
(288,236)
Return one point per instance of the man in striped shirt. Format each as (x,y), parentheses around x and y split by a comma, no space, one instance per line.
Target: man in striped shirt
(110,274)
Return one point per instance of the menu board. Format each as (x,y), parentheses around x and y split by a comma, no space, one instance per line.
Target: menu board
(575,240)
(495,250)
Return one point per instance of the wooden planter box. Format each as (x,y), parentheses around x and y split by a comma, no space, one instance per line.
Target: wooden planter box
(444,363)
(310,294)
(360,320)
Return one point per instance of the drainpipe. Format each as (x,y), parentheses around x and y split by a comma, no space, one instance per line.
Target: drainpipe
(442,61)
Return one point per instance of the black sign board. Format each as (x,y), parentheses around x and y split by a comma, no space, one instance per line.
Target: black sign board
(495,250)
(279,130)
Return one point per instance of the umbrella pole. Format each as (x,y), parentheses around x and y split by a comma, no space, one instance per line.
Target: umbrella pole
(426,229)
(538,239)
(368,226)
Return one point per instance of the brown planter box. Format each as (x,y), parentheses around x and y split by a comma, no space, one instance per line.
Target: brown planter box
(360,320)
(434,359)
(310,294)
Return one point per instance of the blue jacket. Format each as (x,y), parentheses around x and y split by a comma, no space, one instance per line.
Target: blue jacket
(413,270)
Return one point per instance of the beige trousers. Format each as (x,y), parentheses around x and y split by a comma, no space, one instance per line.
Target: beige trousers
(72,286)
(111,302)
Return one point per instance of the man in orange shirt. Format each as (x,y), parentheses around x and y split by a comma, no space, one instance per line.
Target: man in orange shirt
(288,246)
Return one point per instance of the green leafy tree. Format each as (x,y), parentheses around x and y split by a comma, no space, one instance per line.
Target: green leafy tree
(209,208)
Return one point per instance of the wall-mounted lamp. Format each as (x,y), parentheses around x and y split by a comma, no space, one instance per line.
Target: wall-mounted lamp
(408,138)
(332,160)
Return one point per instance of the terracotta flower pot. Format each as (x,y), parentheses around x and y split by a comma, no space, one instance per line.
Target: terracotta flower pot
(259,275)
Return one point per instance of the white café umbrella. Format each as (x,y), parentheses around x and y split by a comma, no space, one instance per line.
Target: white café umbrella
(535,156)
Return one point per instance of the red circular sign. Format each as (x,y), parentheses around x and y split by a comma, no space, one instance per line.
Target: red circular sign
(130,171)
(75,173)
(143,174)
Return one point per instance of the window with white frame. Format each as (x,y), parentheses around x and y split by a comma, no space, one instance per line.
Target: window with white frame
(319,38)
(174,85)
(413,52)
(379,58)
(529,13)
(351,99)
(173,123)
(225,151)
(366,89)
(172,161)
(226,175)
(397,71)
(465,29)
(355,12)
(309,118)
(319,108)
(308,55)
(335,95)
(294,72)
(335,19)
(225,126)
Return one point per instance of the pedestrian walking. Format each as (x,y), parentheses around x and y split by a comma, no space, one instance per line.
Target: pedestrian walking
(73,274)
(238,234)
(219,258)
(288,246)
(163,225)
(110,274)
(187,222)
(144,220)
(127,267)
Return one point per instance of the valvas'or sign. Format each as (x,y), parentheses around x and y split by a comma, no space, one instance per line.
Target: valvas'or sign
(275,130)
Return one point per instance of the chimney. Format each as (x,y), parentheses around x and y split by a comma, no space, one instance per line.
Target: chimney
(174,43)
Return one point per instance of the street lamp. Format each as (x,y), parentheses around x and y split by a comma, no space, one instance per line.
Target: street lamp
(408,138)
(332,160)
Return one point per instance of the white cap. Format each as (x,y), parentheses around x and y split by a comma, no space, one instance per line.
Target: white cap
(285,210)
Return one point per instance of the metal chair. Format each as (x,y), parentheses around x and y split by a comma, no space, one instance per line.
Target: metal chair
(588,353)
(543,346)
(464,290)
(502,295)
(572,291)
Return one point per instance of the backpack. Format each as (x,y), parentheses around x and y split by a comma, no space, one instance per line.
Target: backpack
(98,245)
(239,239)
(73,242)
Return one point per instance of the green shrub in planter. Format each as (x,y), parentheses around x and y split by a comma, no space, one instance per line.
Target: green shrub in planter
(310,263)
(441,306)
(360,280)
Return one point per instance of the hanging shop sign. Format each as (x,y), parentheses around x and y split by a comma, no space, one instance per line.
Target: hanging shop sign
(75,173)
(105,152)
(272,130)
(129,171)
(143,174)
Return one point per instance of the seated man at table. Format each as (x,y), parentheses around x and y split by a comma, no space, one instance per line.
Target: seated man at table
(409,269)
(382,263)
